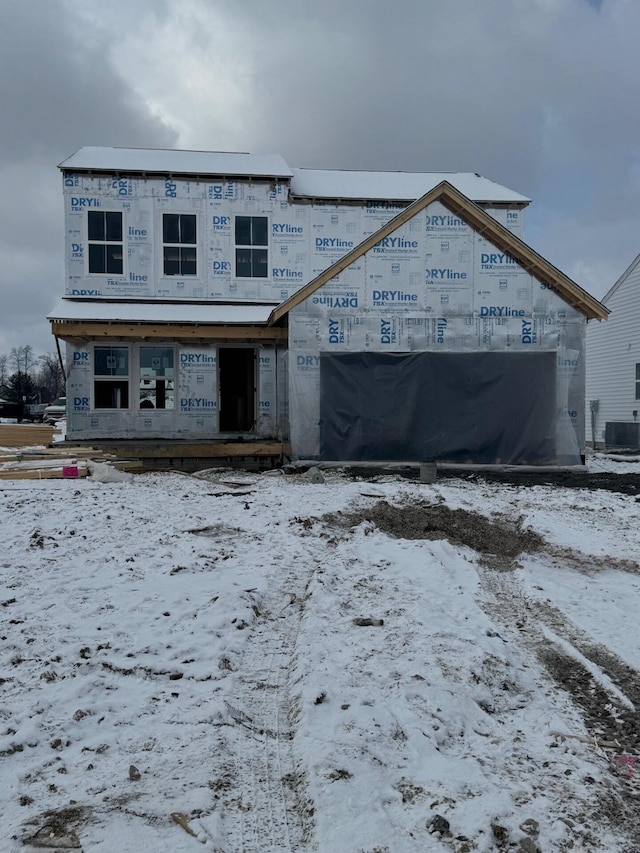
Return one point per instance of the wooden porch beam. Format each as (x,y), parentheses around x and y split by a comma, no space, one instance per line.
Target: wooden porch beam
(168,331)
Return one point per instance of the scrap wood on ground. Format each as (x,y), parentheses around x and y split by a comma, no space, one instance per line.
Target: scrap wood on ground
(27,453)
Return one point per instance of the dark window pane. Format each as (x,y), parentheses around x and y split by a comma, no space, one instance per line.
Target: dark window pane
(243,230)
(95,225)
(187,228)
(113,226)
(259,231)
(171,260)
(243,263)
(188,263)
(114,258)
(171,228)
(260,263)
(111,395)
(97,258)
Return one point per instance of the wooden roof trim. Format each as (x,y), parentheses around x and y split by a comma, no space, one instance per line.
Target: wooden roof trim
(521,252)
(482,223)
(166,331)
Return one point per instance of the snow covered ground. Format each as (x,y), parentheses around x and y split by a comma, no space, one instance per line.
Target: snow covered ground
(345,667)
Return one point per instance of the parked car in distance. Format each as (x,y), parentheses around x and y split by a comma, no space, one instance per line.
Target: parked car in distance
(34,412)
(55,411)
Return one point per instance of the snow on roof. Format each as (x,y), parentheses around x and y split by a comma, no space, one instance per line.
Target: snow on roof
(170,162)
(157,312)
(306,183)
(397,186)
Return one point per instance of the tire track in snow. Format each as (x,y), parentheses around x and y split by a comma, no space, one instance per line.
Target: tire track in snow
(267,808)
(604,688)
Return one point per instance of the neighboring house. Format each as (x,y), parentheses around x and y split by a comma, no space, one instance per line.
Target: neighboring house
(363,315)
(613,367)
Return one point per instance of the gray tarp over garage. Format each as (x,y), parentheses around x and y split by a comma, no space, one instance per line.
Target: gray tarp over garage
(482,407)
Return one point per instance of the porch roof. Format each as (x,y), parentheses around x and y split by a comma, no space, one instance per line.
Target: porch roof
(112,311)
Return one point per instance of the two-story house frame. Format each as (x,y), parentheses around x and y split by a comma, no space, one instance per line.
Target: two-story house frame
(362,315)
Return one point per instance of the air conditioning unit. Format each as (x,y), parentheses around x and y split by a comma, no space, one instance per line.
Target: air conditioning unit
(619,435)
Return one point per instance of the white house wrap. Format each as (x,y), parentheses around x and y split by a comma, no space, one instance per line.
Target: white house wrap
(364,315)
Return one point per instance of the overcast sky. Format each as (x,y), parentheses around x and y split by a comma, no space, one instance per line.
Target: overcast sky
(539,95)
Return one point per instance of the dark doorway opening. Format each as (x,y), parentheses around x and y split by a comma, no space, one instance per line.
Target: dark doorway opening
(237,388)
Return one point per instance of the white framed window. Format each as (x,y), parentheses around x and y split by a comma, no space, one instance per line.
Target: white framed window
(104,238)
(252,246)
(156,387)
(130,376)
(111,377)
(179,244)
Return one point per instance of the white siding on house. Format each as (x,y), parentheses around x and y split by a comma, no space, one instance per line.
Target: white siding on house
(613,350)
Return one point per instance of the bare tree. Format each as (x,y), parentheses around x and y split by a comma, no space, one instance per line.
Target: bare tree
(49,378)
(22,359)
(3,368)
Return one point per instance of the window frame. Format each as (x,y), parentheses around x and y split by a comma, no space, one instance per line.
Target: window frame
(155,378)
(112,379)
(105,243)
(179,245)
(134,376)
(251,247)
(637,380)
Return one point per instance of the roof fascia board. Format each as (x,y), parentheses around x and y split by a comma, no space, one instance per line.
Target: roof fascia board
(521,252)
(167,331)
(481,222)
(198,177)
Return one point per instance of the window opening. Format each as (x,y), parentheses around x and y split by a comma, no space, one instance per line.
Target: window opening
(179,243)
(111,378)
(157,378)
(252,243)
(104,234)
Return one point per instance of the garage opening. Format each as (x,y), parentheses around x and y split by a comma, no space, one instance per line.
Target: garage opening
(482,408)
(237,388)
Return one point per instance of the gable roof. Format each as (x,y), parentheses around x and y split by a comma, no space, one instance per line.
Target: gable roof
(625,275)
(483,224)
(343,185)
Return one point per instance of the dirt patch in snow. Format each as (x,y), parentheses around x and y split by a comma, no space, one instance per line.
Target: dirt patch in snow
(501,537)
(626,484)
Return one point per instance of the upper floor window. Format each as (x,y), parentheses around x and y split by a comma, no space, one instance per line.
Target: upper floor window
(104,235)
(637,381)
(252,246)
(179,243)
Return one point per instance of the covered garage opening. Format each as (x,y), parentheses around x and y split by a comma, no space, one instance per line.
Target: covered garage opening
(481,408)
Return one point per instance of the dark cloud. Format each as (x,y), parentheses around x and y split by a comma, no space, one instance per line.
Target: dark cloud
(538,95)
(59,88)
(58,91)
